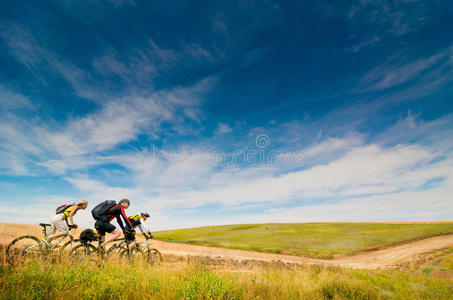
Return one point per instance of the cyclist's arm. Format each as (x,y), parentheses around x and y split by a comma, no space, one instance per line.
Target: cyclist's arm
(71,214)
(118,219)
(128,223)
(142,229)
(145,231)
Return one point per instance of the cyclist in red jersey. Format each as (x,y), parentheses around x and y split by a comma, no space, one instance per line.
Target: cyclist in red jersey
(117,212)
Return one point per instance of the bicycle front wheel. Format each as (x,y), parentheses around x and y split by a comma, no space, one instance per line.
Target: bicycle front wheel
(23,249)
(154,256)
(83,252)
(131,254)
(68,246)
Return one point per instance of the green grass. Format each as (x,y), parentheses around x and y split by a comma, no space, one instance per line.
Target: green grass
(305,239)
(448,263)
(195,281)
(427,271)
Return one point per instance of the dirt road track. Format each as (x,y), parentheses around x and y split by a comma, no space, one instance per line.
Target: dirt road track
(384,258)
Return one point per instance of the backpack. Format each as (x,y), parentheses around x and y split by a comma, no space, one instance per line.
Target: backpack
(88,235)
(99,210)
(62,208)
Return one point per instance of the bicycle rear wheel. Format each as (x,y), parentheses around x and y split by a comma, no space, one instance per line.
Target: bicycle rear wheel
(23,249)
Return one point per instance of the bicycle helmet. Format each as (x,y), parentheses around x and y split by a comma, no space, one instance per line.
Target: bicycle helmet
(145,214)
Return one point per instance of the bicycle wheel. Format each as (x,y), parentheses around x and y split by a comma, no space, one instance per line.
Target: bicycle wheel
(67,247)
(154,256)
(131,254)
(83,252)
(23,249)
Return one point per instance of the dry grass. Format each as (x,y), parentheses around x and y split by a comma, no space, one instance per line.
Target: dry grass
(195,280)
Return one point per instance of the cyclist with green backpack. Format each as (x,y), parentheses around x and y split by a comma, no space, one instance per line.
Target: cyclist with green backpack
(60,220)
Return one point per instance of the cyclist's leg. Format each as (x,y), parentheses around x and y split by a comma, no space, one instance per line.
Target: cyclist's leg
(53,228)
(59,223)
(103,227)
(114,235)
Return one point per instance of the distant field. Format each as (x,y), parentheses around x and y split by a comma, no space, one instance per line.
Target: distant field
(321,240)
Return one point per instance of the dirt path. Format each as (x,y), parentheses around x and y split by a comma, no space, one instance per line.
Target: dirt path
(385,258)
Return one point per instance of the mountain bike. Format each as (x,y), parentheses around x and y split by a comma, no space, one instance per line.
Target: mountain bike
(86,250)
(151,255)
(29,247)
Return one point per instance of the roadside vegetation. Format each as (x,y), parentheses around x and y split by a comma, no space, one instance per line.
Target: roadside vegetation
(438,264)
(317,240)
(192,280)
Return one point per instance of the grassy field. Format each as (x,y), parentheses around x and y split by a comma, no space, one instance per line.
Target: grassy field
(41,280)
(321,240)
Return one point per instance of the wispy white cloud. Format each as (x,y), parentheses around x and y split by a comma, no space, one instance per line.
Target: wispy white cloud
(395,72)
(392,18)
(362,45)
(138,66)
(10,101)
(198,52)
(223,128)
(402,205)
(75,144)
(369,166)
(40,60)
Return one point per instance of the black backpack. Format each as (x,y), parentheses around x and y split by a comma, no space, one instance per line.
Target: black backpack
(101,209)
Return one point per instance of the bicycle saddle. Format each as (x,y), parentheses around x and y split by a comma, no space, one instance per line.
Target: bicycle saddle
(44,224)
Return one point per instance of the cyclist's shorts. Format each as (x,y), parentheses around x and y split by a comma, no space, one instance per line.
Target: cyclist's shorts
(103,227)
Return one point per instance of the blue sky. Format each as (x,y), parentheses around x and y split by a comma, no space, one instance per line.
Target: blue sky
(227,112)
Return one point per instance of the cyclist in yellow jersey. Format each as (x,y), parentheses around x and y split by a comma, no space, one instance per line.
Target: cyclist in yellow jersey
(60,221)
(138,221)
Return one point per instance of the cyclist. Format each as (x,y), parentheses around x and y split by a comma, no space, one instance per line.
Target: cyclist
(104,226)
(60,221)
(138,221)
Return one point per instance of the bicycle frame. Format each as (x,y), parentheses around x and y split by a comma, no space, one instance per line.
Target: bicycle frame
(123,240)
(55,244)
(144,245)
(59,240)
